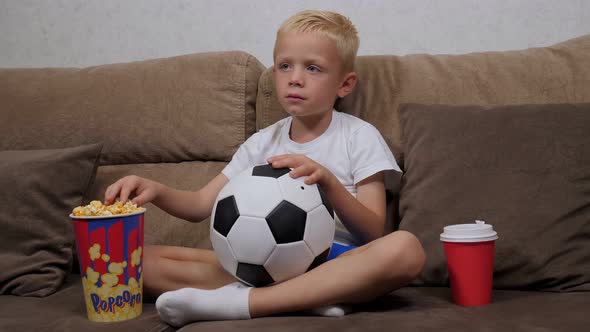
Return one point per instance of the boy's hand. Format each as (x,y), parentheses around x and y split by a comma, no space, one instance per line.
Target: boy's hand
(144,190)
(303,166)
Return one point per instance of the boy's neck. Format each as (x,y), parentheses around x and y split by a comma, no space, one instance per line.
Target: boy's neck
(306,129)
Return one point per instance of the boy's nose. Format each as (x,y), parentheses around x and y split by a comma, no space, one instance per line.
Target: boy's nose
(295,83)
(296,79)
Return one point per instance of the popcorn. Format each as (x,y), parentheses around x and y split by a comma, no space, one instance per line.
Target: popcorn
(94,251)
(117,268)
(109,279)
(96,208)
(92,275)
(136,257)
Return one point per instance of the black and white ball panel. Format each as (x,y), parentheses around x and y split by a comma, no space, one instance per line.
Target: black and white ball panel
(297,192)
(269,171)
(314,232)
(319,260)
(254,275)
(248,190)
(226,214)
(224,252)
(287,222)
(288,259)
(251,228)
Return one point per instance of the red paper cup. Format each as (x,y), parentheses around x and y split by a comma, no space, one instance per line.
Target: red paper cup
(469,249)
(110,255)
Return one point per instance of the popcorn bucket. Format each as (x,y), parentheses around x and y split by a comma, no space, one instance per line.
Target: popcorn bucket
(110,255)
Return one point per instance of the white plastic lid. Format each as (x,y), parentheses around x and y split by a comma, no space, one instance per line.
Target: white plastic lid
(476,232)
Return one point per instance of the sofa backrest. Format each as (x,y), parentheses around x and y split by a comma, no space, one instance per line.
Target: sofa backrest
(554,74)
(177,120)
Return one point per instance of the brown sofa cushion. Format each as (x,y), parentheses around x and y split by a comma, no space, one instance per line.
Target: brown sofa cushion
(39,189)
(525,169)
(191,107)
(160,227)
(556,74)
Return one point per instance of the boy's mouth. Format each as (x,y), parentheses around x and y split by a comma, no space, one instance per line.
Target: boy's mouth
(294,97)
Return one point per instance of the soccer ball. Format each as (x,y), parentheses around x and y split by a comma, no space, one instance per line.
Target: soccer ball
(267,227)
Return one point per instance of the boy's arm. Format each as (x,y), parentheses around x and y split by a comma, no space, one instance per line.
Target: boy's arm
(364,216)
(194,206)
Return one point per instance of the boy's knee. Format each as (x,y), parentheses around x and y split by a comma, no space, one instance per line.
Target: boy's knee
(406,255)
(414,254)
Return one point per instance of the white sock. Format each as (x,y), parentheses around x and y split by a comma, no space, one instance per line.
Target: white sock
(335,310)
(186,305)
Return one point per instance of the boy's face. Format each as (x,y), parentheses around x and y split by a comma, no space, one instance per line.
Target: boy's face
(308,73)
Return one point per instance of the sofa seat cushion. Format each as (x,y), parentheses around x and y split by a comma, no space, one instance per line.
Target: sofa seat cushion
(65,311)
(430,309)
(407,309)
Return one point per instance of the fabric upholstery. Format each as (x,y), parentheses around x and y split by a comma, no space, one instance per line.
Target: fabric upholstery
(65,311)
(39,189)
(407,309)
(162,110)
(430,309)
(525,169)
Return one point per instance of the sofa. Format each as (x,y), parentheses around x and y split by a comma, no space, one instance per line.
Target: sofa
(497,136)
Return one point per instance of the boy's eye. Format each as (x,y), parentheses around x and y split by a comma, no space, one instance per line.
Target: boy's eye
(313,68)
(284,66)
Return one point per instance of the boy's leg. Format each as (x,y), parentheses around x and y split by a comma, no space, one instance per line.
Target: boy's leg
(167,268)
(356,276)
(372,270)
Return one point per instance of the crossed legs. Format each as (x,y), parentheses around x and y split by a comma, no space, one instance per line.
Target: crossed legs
(370,271)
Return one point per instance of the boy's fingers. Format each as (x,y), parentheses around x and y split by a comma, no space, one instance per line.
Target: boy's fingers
(111,192)
(299,171)
(311,179)
(277,158)
(288,161)
(125,192)
(126,188)
(106,195)
(276,163)
(139,200)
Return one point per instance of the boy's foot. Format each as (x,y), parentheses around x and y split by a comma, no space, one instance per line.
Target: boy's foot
(335,310)
(186,305)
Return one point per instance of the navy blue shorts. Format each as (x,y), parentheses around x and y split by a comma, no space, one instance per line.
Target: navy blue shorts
(338,249)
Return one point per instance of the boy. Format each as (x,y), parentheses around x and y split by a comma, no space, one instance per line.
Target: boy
(313,65)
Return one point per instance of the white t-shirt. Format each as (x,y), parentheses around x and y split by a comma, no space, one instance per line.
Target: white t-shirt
(352,149)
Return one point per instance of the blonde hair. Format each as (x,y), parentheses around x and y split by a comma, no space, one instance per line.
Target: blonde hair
(332,25)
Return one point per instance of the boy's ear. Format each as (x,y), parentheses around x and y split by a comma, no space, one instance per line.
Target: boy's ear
(347,85)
